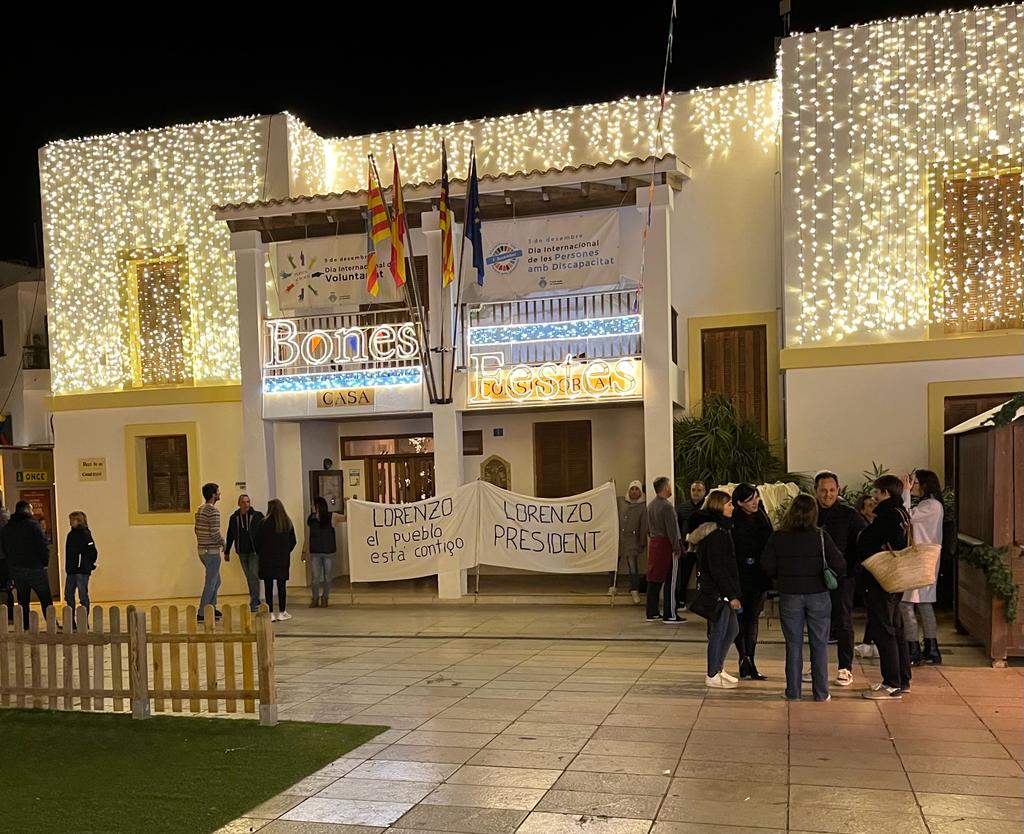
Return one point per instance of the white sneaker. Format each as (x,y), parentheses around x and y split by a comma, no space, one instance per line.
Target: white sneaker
(611,591)
(284,615)
(719,681)
(806,677)
(881,692)
(844,677)
(728,677)
(636,597)
(865,650)
(273,617)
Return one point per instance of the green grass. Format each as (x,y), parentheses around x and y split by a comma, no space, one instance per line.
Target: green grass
(65,771)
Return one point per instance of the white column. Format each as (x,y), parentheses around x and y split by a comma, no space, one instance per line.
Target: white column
(656,302)
(257,435)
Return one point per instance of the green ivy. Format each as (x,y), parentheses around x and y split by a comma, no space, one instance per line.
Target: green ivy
(1007,413)
(1000,579)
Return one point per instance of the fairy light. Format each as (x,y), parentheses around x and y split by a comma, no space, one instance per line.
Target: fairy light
(368,378)
(148,192)
(869,115)
(721,113)
(555,331)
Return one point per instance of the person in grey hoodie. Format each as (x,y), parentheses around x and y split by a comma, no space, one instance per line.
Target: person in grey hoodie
(632,537)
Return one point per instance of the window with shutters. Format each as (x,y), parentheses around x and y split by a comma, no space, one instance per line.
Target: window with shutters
(981,269)
(562,459)
(167,482)
(734,362)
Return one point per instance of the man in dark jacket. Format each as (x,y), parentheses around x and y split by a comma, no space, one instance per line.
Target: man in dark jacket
(687,562)
(241,529)
(887,532)
(844,524)
(6,586)
(28,555)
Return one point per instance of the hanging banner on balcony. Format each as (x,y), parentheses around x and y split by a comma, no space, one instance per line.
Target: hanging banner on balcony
(408,541)
(325,272)
(578,534)
(564,253)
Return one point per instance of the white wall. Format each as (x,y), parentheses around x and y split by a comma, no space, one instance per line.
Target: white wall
(140,562)
(844,418)
(28,391)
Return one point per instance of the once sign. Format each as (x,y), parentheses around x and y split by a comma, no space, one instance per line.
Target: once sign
(373,343)
(492,381)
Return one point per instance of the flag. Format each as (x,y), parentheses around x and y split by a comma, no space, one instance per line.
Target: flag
(444,208)
(397,230)
(376,230)
(372,273)
(471,226)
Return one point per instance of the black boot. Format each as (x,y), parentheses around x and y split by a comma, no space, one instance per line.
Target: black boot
(914,648)
(754,674)
(931,652)
(745,667)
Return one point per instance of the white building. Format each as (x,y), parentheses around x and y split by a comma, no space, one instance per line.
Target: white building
(801,271)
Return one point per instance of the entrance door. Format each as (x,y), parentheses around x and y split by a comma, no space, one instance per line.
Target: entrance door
(562,460)
(400,479)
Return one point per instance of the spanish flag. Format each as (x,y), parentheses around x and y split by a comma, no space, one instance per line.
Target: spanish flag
(397,230)
(444,208)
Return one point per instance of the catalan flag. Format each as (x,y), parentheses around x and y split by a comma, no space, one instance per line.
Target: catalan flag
(444,208)
(376,211)
(397,230)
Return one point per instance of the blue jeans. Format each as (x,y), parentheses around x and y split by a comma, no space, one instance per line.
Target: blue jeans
(634,573)
(321,566)
(211,584)
(721,633)
(77,582)
(250,563)
(816,611)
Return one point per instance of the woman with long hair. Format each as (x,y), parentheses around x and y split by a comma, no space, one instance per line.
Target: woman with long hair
(796,557)
(718,581)
(323,544)
(80,556)
(927,518)
(275,541)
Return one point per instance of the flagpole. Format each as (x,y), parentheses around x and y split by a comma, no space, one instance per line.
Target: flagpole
(420,333)
(462,255)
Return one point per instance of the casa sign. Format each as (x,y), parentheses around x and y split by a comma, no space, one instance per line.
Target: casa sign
(373,344)
(492,381)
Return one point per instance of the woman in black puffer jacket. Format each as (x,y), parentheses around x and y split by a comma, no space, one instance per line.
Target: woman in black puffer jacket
(751,530)
(796,556)
(718,579)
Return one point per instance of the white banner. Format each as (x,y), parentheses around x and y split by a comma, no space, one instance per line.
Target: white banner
(578,534)
(328,272)
(565,252)
(407,541)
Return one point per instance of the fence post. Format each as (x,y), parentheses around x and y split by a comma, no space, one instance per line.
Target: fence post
(138,666)
(265,659)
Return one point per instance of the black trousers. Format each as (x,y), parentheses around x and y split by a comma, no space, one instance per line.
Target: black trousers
(752,600)
(27,580)
(886,624)
(282,594)
(667,589)
(842,620)
(687,562)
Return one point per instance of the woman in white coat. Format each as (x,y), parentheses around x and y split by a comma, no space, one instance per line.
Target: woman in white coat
(927,520)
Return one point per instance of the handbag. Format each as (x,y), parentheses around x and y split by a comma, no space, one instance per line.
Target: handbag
(829,575)
(908,569)
(707,605)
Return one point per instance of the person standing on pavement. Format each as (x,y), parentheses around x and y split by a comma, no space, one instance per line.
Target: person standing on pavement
(6,584)
(323,545)
(241,527)
(275,541)
(927,518)
(210,543)
(663,553)
(887,532)
(632,537)
(28,555)
(795,556)
(751,530)
(843,524)
(718,577)
(80,555)
(688,560)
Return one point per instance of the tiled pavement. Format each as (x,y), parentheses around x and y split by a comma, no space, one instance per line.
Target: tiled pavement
(618,736)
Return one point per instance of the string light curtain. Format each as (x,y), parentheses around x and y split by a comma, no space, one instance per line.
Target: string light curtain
(868,112)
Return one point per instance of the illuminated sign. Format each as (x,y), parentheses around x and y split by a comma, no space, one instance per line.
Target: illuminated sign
(341,397)
(597,379)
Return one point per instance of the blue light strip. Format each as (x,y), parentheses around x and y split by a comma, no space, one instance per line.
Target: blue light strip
(555,331)
(375,378)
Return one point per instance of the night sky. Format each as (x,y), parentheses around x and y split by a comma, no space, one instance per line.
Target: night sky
(315,64)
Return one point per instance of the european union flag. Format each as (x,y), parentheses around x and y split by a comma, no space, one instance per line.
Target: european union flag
(471,225)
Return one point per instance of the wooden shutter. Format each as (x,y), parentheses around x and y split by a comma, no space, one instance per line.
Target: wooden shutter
(981,238)
(734,362)
(167,473)
(562,455)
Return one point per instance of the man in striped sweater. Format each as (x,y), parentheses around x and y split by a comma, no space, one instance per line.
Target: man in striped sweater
(210,543)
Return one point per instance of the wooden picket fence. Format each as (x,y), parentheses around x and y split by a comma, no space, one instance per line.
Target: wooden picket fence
(106,659)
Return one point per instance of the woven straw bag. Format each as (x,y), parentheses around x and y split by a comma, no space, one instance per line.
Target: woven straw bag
(908,569)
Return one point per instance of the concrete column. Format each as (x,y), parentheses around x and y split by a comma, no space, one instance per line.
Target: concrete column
(656,306)
(257,435)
